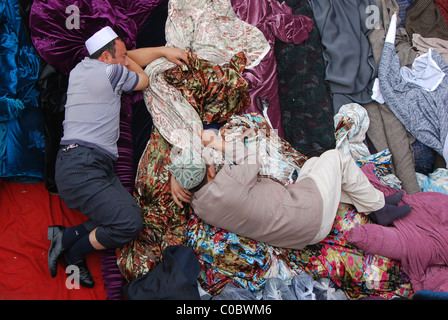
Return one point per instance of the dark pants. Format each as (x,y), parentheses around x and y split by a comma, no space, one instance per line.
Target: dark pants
(86,181)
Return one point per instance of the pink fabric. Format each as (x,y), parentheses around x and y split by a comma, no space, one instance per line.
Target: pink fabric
(275,21)
(419,240)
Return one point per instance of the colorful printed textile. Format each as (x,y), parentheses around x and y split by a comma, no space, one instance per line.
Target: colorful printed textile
(227,258)
(403,6)
(358,274)
(277,23)
(164,222)
(212,31)
(212,89)
(418,240)
(436,181)
(383,168)
(279,161)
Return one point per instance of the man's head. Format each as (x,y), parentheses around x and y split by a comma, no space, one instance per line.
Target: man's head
(189,169)
(107,47)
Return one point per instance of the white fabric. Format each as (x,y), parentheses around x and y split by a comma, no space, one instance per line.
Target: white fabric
(376,92)
(100,39)
(392,31)
(425,72)
(390,37)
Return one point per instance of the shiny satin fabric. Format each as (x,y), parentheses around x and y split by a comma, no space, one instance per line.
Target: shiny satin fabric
(21,122)
(275,21)
(63,47)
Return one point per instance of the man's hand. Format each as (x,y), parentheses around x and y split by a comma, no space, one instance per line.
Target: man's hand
(178,193)
(144,56)
(176,55)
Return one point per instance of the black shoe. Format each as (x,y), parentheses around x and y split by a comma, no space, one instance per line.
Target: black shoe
(56,250)
(85,278)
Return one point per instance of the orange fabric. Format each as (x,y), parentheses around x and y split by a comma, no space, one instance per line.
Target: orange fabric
(26,210)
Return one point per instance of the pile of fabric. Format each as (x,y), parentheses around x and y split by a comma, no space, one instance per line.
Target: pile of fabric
(299,76)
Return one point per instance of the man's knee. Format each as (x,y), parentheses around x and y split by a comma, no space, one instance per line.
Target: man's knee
(133,226)
(130,226)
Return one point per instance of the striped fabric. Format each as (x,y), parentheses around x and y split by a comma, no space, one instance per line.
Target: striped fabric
(403,6)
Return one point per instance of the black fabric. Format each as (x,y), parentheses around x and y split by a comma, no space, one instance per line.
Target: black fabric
(53,95)
(305,98)
(52,86)
(174,278)
(152,34)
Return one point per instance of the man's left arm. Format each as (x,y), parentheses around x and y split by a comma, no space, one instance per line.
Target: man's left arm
(144,56)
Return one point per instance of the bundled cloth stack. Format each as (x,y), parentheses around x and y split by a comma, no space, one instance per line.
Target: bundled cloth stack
(367,77)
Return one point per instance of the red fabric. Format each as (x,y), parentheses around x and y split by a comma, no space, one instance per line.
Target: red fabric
(443,7)
(26,210)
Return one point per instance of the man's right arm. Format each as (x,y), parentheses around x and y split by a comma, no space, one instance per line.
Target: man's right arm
(143,80)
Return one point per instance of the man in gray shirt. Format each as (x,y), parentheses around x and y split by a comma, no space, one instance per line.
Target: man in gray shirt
(84,172)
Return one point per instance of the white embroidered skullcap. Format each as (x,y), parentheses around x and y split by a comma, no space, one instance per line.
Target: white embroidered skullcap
(100,39)
(188,168)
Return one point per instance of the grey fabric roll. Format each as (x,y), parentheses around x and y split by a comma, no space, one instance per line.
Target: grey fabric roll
(350,66)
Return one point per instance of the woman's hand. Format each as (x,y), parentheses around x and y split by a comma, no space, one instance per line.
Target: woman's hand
(209,138)
(178,193)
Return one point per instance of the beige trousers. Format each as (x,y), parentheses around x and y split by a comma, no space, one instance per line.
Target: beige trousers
(339,179)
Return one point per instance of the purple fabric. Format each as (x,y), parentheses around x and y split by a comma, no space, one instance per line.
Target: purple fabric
(63,48)
(419,240)
(274,20)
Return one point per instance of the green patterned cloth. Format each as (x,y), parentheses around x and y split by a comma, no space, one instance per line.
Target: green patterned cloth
(188,168)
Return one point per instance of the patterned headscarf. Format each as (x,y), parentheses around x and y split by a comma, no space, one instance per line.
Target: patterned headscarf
(189,169)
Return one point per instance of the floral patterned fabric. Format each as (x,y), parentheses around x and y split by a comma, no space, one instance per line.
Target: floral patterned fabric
(212,31)
(228,258)
(164,222)
(279,161)
(351,124)
(208,86)
(358,274)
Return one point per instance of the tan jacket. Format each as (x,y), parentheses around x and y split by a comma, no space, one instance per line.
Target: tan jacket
(240,201)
